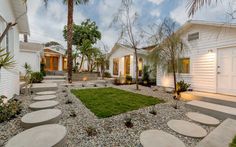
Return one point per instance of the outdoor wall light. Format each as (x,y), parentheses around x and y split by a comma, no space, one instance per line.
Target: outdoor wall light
(210,51)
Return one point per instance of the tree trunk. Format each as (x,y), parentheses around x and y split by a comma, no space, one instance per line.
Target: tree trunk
(82,61)
(70,5)
(174,75)
(9,25)
(136,61)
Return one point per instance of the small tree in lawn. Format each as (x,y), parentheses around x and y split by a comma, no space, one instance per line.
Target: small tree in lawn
(126,20)
(169,47)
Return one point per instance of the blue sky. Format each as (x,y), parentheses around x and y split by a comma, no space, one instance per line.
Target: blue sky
(46,24)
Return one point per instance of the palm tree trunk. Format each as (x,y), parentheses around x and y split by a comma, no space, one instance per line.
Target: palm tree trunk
(82,61)
(70,10)
(136,61)
(174,75)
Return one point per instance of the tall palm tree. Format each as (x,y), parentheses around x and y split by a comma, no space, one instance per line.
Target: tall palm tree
(70,11)
(194,5)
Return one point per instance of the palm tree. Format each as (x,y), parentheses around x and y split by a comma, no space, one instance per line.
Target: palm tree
(70,10)
(6,60)
(194,5)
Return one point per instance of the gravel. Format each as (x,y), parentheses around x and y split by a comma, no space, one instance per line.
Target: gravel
(110,131)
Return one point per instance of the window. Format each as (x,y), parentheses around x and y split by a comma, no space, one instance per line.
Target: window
(127,65)
(184,65)
(193,36)
(140,66)
(115,66)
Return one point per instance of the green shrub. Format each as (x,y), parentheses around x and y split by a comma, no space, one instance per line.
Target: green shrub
(233,144)
(36,77)
(42,65)
(117,81)
(146,72)
(9,110)
(181,86)
(107,75)
(128,79)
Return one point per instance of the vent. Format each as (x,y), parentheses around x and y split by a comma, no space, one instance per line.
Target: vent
(193,36)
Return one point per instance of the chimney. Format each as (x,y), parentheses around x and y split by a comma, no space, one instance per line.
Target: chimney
(25,38)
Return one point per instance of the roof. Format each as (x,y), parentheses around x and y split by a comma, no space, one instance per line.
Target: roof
(190,23)
(29,46)
(20,13)
(57,48)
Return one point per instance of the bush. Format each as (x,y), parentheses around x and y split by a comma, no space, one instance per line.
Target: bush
(107,75)
(128,122)
(42,65)
(91,131)
(9,110)
(117,81)
(146,77)
(181,86)
(36,77)
(128,79)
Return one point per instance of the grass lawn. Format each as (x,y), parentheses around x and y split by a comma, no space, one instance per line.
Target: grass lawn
(233,144)
(106,102)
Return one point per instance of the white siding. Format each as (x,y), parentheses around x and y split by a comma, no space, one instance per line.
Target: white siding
(32,58)
(203,65)
(9,79)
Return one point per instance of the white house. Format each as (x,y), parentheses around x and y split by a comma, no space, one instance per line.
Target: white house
(12,11)
(30,53)
(209,65)
(122,60)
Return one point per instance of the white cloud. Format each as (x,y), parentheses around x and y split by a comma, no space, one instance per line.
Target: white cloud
(155,12)
(157,2)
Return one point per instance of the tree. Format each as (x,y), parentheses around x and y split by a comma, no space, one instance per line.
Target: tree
(51,43)
(86,44)
(127,23)
(169,47)
(87,30)
(70,11)
(195,5)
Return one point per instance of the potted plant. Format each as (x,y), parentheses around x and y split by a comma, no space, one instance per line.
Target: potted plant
(128,79)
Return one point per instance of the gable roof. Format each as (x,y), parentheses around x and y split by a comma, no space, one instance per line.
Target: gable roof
(20,13)
(191,23)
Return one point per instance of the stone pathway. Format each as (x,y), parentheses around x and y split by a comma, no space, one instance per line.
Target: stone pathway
(187,129)
(44,97)
(41,136)
(46,93)
(202,118)
(44,130)
(43,105)
(154,138)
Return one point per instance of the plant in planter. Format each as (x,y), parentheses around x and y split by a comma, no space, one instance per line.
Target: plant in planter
(128,122)
(91,131)
(153,111)
(128,79)
(36,77)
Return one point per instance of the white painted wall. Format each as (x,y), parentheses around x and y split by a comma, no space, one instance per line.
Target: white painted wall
(9,79)
(121,53)
(203,65)
(32,58)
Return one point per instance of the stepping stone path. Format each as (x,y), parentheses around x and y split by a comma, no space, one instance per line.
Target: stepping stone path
(187,129)
(202,118)
(44,97)
(154,138)
(41,117)
(43,105)
(46,93)
(41,136)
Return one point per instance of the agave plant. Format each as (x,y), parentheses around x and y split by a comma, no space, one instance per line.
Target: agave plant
(6,60)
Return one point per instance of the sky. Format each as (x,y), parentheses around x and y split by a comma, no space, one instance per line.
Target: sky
(46,23)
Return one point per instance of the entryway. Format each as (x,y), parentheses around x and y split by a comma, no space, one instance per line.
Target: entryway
(226,71)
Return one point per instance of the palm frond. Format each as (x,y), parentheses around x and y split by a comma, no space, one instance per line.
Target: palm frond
(194,5)
(6,60)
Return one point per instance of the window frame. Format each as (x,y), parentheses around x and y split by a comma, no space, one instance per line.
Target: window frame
(113,72)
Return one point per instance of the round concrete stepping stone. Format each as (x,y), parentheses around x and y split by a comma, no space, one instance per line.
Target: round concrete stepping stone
(41,136)
(187,129)
(43,105)
(44,97)
(46,92)
(41,117)
(154,138)
(202,118)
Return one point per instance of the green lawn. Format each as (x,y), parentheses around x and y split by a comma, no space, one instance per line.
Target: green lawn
(233,144)
(106,102)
